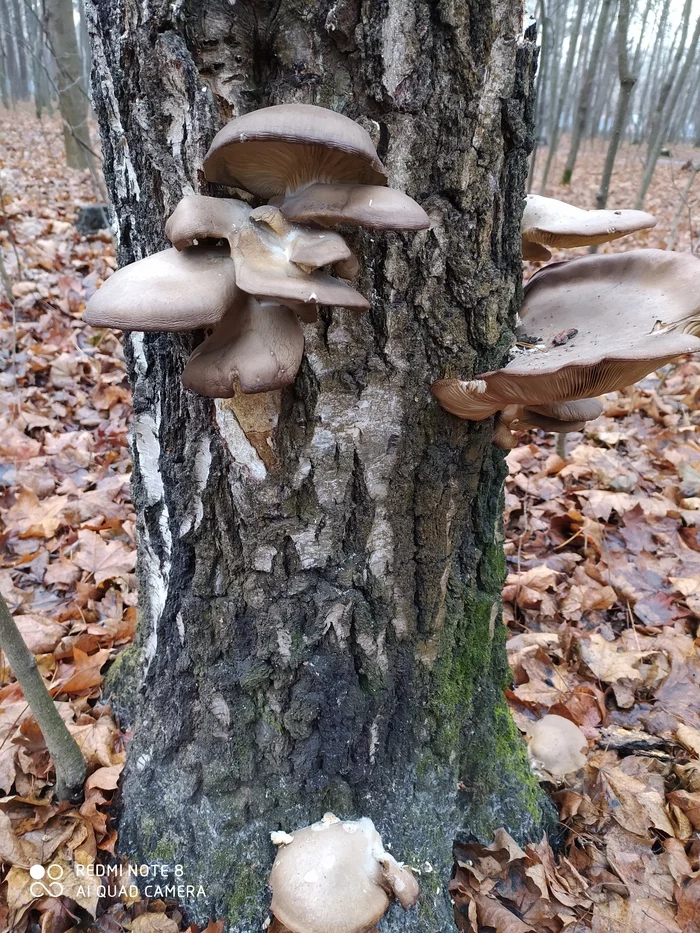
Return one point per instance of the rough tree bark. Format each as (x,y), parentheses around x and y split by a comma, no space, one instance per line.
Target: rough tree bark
(320,624)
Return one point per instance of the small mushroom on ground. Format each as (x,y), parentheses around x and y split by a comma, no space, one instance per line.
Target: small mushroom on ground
(601,324)
(556,747)
(336,877)
(168,291)
(277,150)
(549,222)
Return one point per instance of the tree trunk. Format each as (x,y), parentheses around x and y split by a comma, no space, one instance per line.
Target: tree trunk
(72,97)
(319,622)
(584,101)
(656,131)
(627,82)
(563,91)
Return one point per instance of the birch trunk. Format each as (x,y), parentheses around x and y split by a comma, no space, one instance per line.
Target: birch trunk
(320,622)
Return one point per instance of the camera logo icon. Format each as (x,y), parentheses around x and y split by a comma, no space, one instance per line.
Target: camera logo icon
(47,881)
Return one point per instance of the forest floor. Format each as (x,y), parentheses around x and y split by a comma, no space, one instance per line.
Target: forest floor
(602,599)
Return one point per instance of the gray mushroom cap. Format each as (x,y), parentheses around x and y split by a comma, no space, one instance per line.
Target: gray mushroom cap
(279,149)
(336,877)
(603,322)
(197,218)
(366,205)
(168,291)
(549,222)
(263,269)
(255,348)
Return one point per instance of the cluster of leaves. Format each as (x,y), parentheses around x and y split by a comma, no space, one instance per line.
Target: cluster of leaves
(602,601)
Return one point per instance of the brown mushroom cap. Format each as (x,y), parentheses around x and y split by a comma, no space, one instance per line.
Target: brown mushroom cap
(366,205)
(549,222)
(169,291)
(278,149)
(199,218)
(255,348)
(557,745)
(336,877)
(533,251)
(263,269)
(605,321)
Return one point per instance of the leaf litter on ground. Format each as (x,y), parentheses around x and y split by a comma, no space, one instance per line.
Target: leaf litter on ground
(601,600)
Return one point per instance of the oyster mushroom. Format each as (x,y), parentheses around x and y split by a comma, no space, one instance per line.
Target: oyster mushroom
(277,150)
(256,347)
(168,291)
(336,877)
(549,222)
(365,205)
(558,417)
(557,746)
(603,322)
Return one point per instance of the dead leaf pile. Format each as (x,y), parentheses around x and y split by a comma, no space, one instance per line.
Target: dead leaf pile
(602,598)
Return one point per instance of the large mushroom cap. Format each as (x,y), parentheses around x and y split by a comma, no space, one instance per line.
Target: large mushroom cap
(336,877)
(366,205)
(278,149)
(548,222)
(170,291)
(602,322)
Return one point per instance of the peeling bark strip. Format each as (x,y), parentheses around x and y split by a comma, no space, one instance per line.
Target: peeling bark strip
(318,630)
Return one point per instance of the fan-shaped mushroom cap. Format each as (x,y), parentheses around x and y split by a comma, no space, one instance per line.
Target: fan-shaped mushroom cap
(255,348)
(263,269)
(170,290)
(366,205)
(549,222)
(557,746)
(604,322)
(199,218)
(336,877)
(278,149)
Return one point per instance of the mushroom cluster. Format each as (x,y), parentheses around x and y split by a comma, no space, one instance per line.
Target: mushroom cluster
(316,168)
(336,877)
(587,326)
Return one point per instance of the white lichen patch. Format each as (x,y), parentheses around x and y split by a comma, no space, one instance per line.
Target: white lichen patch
(200,470)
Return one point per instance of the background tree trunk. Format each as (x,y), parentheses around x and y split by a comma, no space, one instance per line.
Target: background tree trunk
(72,97)
(320,625)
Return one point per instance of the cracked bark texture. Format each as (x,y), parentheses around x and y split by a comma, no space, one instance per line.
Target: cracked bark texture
(322,632)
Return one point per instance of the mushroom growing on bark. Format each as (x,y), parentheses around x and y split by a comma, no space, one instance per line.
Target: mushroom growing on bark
(549,222)
(271,275)
(595,325)
(336,877)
